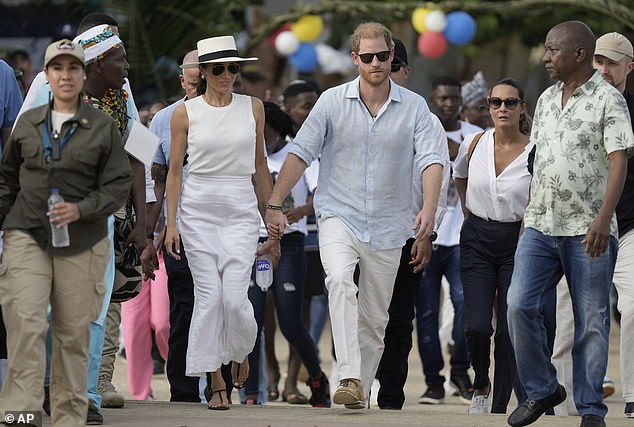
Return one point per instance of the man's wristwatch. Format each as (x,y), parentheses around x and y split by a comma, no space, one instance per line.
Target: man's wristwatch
(433,236)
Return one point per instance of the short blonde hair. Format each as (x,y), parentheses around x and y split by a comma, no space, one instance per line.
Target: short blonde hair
(371,30)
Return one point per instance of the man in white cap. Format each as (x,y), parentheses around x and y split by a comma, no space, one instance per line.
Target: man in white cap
(613,59)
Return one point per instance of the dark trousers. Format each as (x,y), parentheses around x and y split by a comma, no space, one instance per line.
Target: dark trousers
(180,288)
(288,292)
(444,261)
(487,251)
(392,372)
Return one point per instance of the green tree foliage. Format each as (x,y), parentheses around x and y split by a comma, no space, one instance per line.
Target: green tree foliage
(158,29)
(496,18)
(169,29)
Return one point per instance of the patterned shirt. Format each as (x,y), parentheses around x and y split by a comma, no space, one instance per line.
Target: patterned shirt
(114,103)
(571,162)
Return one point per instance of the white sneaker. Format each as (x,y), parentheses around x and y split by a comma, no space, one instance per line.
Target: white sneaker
(479,404)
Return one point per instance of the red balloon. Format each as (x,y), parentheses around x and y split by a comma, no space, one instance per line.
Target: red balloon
(274,34)
(432,45)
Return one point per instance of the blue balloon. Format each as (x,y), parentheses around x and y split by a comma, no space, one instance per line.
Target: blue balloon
(461,28)
(305,58)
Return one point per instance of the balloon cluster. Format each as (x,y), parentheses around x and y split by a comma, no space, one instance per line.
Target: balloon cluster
(292,40)
(436,29)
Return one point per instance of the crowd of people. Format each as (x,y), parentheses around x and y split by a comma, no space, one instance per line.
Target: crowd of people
(528,220)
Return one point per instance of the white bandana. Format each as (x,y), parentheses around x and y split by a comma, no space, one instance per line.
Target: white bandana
(97,41)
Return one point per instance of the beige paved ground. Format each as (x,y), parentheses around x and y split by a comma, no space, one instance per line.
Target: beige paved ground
(160,413)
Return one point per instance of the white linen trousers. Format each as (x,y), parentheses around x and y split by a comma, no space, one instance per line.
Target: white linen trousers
(358,324)
(219,225)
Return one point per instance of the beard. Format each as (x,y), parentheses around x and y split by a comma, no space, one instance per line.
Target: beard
(374,77)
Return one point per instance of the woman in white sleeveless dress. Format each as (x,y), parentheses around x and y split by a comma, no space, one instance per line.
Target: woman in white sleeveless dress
(222,135)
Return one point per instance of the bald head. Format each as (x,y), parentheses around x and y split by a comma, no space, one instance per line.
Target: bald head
(575,35)
(190,74)
(190,60)
(569,51)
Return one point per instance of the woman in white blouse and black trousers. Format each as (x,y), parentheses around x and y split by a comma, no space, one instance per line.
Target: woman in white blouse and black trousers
(493,180)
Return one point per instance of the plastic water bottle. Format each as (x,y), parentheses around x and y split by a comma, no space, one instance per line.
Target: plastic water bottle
(263,271)
(59,235)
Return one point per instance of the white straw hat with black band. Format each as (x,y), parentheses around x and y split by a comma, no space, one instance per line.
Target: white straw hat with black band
(219,49)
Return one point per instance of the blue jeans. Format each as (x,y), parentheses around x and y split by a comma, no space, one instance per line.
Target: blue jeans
(288,293)
(445,260)
(540,262)
(318,316)
(97,331)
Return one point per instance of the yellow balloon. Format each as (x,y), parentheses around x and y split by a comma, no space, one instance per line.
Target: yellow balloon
(418,19)
(308,27)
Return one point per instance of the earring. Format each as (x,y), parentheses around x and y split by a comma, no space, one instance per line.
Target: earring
(202,76)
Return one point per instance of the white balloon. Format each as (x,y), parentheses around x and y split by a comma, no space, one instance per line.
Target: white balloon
(286,43)
(436,21)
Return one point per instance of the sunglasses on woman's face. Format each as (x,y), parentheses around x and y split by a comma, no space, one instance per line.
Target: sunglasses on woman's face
(218,69)
(367,58)
(511,103)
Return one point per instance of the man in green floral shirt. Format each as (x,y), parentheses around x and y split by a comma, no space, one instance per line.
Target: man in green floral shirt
(582,132)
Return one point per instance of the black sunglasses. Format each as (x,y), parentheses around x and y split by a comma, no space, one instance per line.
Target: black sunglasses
(367,58)
(218,69)
(511,103)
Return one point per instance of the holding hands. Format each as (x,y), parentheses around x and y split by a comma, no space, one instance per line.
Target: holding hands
(276,221)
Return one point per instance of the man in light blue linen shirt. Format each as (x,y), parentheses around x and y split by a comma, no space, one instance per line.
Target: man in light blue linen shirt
(180,285)
(370,133)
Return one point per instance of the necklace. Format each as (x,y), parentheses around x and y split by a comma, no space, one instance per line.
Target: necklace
(217,106)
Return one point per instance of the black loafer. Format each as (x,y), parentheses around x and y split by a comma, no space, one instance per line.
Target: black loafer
(530,410)
(592,421)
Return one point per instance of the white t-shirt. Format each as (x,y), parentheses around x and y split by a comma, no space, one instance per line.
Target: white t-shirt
(299,193)
(59,119)
(500,198)
(449,230)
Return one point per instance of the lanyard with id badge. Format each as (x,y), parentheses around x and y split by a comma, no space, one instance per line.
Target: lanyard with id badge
(52,142)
